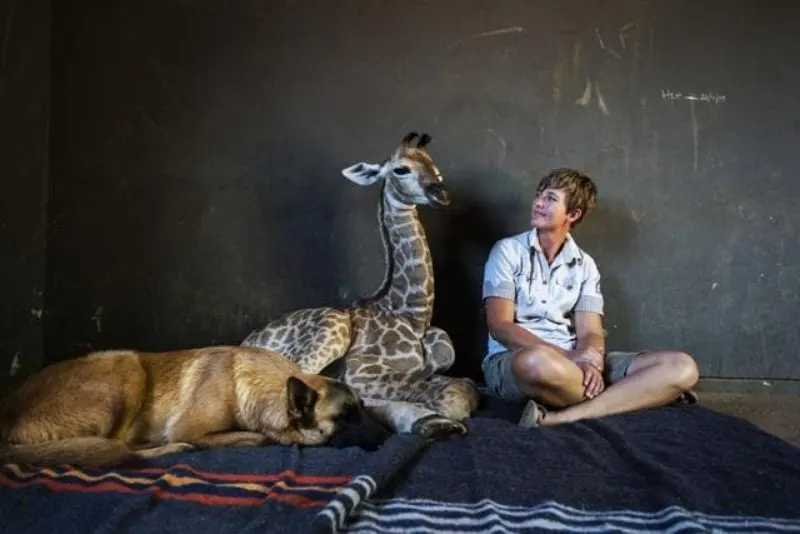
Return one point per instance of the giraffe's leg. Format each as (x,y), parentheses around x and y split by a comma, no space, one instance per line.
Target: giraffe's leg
(408,417)
(452,397)
(312,338)
(439,352)
(399,398)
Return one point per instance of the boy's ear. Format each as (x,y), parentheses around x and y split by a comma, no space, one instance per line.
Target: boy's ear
(574,215)
(302,400)
(336,369)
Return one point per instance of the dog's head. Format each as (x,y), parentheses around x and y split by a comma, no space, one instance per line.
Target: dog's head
(326,411)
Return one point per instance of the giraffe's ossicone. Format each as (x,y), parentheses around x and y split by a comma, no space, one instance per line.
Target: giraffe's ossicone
(394,356)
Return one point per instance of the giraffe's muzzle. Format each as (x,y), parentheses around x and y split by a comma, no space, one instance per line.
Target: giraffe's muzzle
(437,194)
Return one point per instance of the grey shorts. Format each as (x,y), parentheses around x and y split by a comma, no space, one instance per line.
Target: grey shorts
(500,380)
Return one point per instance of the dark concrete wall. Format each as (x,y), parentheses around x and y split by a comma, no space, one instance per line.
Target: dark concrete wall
(196,150)
(24,109)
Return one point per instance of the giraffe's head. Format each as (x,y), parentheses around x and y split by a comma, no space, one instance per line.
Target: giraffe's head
(410,175)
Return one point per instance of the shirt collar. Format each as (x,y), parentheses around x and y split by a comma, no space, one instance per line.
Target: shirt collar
(569,255)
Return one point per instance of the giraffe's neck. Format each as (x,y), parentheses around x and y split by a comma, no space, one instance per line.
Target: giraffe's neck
(407,287)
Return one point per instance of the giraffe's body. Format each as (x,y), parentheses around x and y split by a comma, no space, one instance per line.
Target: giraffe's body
(394,355)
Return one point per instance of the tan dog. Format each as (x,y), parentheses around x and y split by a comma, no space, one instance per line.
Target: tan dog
(109,407)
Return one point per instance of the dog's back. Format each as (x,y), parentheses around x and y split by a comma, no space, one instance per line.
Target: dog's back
(67,411)
(226,379)
(43,407)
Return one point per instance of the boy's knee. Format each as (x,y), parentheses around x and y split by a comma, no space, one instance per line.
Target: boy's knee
(681,368)
(541,366)
(686,370)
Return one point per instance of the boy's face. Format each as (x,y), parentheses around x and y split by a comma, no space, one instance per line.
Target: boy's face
(549,210)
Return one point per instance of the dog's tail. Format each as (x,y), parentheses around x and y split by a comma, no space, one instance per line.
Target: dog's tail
(88,451)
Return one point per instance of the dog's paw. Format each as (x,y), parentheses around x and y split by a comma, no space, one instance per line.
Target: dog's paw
(183,447)
(437,427)
(161,450)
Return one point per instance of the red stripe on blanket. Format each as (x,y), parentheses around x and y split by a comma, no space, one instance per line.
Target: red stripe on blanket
(200,498)
(336,480)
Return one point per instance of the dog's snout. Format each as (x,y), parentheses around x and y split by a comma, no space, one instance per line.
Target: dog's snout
(361,428)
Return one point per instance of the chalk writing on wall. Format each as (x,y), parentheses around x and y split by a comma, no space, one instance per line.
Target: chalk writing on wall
(711,98)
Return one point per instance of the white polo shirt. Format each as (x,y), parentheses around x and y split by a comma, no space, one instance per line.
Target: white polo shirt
(545,296)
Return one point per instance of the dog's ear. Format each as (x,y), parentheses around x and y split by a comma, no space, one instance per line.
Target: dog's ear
(302,400)
(336,369)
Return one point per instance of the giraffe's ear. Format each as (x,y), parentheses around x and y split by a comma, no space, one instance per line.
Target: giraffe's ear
(363,173)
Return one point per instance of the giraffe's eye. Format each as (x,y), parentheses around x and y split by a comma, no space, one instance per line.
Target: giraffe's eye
(402,170)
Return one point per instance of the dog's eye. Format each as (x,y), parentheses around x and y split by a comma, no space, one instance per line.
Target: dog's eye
(402,170)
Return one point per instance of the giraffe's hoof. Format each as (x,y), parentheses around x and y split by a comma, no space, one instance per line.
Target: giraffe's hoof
(437,427)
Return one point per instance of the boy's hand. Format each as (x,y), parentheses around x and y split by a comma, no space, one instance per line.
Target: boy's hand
(592,380)
(589,355)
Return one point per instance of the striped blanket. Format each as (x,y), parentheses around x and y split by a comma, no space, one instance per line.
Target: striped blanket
(677,469)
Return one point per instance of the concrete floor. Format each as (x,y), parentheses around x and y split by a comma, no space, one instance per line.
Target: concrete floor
(776,413)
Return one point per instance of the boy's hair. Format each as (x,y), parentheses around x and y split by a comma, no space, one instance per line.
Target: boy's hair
(580,191)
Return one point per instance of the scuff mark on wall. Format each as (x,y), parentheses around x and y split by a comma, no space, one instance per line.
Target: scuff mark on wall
(15,365)
(482,35)
(695,133)
(98,319)
(623,35)
(601,103)
(501,140)
(586,97)
(576,60)
(558,79)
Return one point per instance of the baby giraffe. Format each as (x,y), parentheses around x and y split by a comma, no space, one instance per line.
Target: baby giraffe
(394,356)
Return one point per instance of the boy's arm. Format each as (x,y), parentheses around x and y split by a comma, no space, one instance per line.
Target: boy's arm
(590,345)
(590,342)
(501,325)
